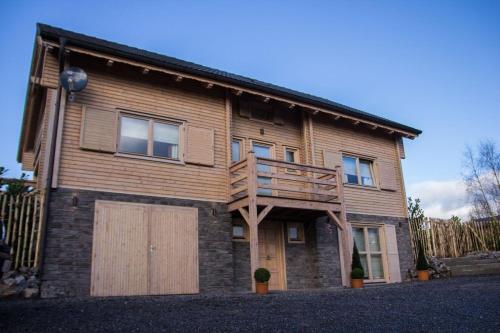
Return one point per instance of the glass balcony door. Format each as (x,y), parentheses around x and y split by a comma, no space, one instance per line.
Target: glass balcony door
(265,151)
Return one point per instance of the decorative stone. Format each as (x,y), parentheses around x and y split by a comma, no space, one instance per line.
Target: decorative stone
(30,292)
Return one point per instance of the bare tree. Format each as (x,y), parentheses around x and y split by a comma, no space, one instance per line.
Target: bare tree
(482,178)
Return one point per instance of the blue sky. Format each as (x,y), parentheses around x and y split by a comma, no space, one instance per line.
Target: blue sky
(434,65)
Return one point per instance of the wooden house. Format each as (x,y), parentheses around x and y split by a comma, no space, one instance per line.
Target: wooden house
(166,177)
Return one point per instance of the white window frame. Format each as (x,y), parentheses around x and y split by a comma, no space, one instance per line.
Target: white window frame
(296,157)
(368,252)
(242,148)
(151,120)
(358,170)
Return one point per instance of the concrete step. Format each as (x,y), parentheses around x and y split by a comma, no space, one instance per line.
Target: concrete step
(469,260)
(475,269)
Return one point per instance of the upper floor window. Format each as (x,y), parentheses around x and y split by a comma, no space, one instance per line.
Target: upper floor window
(149,137)
(358,171)
(236,150)
(291,155)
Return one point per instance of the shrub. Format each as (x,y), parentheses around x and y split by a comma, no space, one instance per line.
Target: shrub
(357,273)
(422,263)
(356,264)
(262,275)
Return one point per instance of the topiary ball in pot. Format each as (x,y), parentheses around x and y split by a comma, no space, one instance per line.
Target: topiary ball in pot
(262,275)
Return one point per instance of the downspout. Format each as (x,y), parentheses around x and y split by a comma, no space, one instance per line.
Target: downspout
(50,162)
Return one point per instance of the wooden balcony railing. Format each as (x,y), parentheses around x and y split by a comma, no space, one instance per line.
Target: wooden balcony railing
(285,180)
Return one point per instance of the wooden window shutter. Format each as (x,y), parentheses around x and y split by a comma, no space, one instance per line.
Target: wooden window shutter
(278,117)
(387,175)
(392,253)
(199,146)
(244,109)
(331,159)
(98,130)
(401,148)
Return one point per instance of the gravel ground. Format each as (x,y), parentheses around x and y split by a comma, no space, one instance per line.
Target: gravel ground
(459,304)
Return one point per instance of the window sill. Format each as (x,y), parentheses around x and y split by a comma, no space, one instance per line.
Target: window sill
(370,188)
(150,158)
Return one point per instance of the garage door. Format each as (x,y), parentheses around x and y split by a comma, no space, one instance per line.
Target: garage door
(144,250)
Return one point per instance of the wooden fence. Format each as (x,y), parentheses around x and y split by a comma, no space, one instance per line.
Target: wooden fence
(452,239)
(21,223)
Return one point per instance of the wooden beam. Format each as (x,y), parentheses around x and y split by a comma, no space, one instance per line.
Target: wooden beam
(179,78)
(374,127)
(263,213)
(356,122)
(209,85)
(109,63)
(335,219)
(337,117)
(145,71)
(315,112)
(253,224)
(238,92)
(291,106)
(244,213)
(267,99)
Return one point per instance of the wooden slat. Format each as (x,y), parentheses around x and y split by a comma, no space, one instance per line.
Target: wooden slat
(174,250)
(296,189)
(304,179)
(120,250)
(295,166)
(200,145)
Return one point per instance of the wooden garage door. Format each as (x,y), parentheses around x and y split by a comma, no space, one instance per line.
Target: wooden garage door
(144,249)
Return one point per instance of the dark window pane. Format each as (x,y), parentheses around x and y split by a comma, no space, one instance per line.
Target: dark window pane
(366,172)
(238,231)
(290,156)
(166,140)
(293,233)
(133,136)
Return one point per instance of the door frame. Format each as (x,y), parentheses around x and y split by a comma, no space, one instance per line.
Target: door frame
(281,249)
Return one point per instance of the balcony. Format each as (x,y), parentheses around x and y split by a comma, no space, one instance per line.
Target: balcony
(268,184)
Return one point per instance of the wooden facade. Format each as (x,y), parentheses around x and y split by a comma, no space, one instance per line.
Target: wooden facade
(210,115)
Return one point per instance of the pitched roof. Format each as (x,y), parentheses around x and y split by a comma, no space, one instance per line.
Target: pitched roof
(96,44)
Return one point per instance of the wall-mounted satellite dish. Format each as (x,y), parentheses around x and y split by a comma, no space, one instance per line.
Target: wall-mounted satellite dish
(73,79)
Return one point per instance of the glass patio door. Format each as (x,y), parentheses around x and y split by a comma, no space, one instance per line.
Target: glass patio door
(370,251)
(265,151)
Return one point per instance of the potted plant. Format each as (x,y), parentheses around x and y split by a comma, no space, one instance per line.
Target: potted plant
(261,276)
(357,272)
(422,264)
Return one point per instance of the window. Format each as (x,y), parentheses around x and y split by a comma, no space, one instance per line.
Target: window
(239,231)
(149,137)
(292,156)
(370,252)
(295,233)
(236,150)
(358,171)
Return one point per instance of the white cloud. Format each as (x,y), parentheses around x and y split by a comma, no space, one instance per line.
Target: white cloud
(441,199)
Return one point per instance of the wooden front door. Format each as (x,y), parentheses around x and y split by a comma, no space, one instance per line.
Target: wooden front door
(271,254)
(141,249)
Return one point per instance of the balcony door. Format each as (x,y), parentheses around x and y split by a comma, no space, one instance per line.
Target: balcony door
(266,151)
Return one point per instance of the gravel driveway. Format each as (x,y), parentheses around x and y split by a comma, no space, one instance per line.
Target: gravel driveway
(459,304)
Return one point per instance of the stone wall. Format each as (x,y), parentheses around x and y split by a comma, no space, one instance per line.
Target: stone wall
(68,248)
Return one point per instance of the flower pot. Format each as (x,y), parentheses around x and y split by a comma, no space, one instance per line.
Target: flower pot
(261,288)
(357,283)
(423,275)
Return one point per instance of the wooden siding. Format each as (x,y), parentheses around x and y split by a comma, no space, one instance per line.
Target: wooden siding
(151,96)
(288,134)
(338,136)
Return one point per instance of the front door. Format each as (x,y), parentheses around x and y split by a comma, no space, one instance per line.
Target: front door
(265,151)
(271,253)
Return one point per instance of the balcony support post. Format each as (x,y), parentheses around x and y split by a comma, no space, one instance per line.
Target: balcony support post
(344,234)
(253,223)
